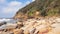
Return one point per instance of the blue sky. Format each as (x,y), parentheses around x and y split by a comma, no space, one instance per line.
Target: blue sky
(8,8)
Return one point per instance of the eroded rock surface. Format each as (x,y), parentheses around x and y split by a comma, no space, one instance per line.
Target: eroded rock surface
(34,26)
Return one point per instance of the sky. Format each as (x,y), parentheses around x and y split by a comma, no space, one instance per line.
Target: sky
(8,8)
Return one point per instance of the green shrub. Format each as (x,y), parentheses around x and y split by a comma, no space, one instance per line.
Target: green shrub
(53,12)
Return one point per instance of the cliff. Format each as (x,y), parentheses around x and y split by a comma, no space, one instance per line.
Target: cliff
(39,8)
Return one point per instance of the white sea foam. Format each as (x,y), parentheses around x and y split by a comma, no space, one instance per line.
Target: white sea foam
(1,20)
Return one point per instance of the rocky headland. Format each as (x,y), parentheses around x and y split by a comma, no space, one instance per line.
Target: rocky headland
(38,17)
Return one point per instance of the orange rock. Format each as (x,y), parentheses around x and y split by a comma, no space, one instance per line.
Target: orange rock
(18,31)
(44,30)
(26,32)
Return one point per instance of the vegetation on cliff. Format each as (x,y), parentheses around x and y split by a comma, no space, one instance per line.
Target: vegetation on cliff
(44,7)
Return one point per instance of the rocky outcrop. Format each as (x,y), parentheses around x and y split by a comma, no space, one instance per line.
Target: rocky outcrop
(34,26)
(41,26)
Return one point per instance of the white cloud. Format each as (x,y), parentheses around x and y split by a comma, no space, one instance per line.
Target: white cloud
(14,6)
(15,3)
(33,0)
(11,7)
(27,2)
(2,1)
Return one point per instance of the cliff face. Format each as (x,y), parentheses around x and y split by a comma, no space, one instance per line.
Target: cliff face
(40,8)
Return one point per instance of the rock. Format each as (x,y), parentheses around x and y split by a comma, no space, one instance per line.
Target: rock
(33,26)
(44,30)
(6,33)
(32,30)
(19,24)
(57,20)
(2,23)
(18,31)
(26,32)
(55,31)
(8,27)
